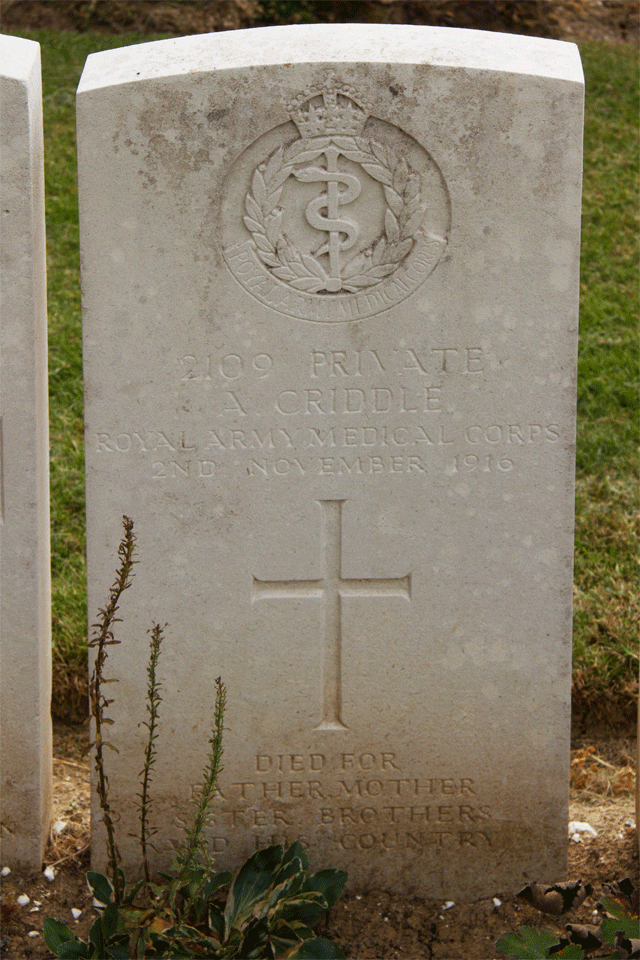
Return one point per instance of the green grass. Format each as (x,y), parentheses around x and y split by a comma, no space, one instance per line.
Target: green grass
(606,557)
(605,589)
(608,365)
(606,614)
(60,71)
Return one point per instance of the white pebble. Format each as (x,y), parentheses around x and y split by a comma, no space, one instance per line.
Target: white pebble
(497,903)
(5,871)
(448,905)
(76,913)
(34,910)
(33,934)
(23,900)
(576,838)
(50,874)
(577,826)
(59,827)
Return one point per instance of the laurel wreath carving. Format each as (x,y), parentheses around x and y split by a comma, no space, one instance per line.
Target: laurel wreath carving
(302,271)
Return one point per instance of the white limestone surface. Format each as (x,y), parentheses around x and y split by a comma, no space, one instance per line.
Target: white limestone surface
(330,294)
(25,614)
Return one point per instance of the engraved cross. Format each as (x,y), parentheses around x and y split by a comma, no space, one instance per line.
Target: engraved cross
(331,588)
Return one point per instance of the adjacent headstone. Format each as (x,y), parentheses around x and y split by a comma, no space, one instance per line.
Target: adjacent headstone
(330,295)
(25,608)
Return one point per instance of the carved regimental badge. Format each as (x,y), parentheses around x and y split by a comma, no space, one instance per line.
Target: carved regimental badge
(340,223)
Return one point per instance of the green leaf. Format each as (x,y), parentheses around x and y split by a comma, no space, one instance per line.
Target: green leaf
(100,887)
(179,950)
(614,907)
(96,937)
(55,933)
(631,925)
(251,883)
(182,930)
(288,888)
(74,950)
(306,905)
(290,868)
(217,881)
(280,944)
(159,942)
(532,944)
(572,952)
(130,897)
(209,948)
(119,951)
(330,883)
(172,934)
(293,932)
(216,920)
(296,850)
(253,941)
(625,923)
(317,949)
(110,921)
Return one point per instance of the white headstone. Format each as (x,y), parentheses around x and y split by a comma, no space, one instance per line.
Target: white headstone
(25,607)
(330,317)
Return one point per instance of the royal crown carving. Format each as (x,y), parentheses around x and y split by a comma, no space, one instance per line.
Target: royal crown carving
(331,109)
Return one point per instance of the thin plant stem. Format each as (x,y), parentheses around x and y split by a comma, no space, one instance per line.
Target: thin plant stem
(103,638)
(153,701)
(194,841)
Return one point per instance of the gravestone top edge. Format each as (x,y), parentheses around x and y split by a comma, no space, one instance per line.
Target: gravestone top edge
(444,47)
(18,57)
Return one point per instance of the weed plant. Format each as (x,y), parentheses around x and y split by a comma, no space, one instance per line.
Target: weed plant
(606,606)
(263,911)
(618,930)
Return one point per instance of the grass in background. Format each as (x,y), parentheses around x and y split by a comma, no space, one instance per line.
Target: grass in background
(608,359)
(59,68)
(606,558)
(606,614)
